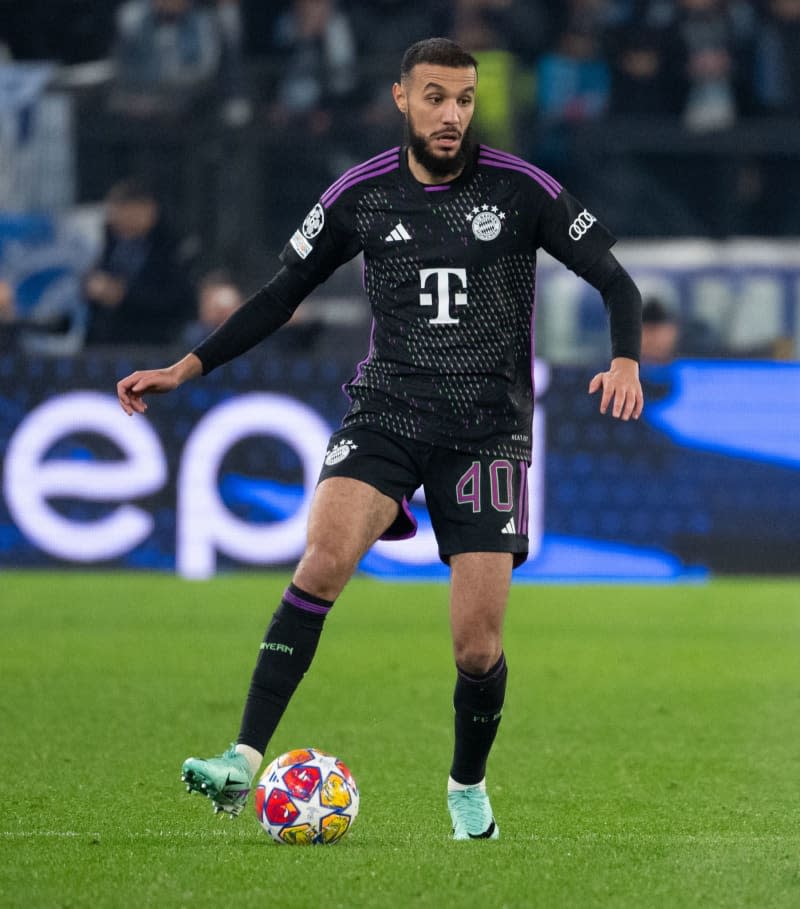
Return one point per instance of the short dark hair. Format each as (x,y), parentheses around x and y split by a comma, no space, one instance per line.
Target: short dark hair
(436,51)
(133,189)
(654,312)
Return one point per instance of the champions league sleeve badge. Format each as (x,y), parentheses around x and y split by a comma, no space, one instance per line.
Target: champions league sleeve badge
(310,228)
(314,222)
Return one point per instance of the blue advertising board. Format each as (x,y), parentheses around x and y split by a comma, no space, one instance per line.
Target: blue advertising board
(219,475)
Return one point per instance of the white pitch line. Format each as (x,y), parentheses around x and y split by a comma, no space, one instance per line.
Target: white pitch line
(166,834)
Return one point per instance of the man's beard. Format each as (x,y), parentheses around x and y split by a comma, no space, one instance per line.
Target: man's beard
(436,165)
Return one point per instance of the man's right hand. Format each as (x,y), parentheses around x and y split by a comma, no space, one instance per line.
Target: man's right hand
(132,388)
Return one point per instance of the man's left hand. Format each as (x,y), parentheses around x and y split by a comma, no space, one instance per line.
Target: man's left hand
(621,389)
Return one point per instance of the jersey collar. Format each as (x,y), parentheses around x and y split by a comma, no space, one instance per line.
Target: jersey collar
(437,192)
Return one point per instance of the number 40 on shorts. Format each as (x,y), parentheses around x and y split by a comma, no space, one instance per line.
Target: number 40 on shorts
(501,475)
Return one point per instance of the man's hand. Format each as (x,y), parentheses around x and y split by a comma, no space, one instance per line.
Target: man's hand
(131,389)
(622,386)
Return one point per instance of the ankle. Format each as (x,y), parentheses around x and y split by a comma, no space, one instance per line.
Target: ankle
(453,786)
(252,756)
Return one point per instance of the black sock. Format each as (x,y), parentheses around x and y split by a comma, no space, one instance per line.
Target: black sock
(288,649)
(478,701)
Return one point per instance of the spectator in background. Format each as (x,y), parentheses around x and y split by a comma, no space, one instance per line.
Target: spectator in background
(382,30)
(506,36)
(776,209)
(573,78)
(382,26)
(319,71)
(218,296)
(713,43)
(714,39)
(236,107)
(573,87)
(778,59)
(176,74)
(475,27)
(642,83)
(660,333)
(167,55)
(527,28)
(316,50)
(137,293)
(640,53)
(67,31)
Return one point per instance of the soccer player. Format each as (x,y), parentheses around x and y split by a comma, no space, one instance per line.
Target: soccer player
(449,231)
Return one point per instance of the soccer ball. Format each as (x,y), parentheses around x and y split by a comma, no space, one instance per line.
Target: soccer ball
(306,797)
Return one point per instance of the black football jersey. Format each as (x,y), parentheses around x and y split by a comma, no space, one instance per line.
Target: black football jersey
(450,275)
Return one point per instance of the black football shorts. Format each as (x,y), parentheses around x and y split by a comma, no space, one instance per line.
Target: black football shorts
(476,503)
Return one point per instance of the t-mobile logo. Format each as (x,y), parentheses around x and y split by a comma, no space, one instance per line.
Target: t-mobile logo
(443,316)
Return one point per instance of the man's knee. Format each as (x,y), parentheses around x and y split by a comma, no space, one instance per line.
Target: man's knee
(477,656)
(325,568)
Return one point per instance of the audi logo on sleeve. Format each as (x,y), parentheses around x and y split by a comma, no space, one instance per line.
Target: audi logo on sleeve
(581,224)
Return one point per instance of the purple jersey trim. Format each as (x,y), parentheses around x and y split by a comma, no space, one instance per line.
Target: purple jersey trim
(515,159)
(505,165)
(359,179)
(355,175)
(496,159)
(533,356)
(437,189)
(363,363)
(411,520)
(523,497)
(300,603)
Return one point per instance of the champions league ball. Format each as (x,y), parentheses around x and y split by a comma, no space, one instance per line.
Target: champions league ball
(306,797)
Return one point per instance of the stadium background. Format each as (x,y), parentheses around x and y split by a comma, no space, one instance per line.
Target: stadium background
(707,483)
(646,756)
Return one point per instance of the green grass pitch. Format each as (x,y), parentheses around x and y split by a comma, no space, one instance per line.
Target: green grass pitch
(649,755)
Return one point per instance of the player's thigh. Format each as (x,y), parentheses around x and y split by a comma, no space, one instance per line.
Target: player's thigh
(363,483)
(348,514)
(387,462)
(477,503)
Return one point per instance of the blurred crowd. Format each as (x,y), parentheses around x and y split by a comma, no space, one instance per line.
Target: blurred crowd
(262,104)
(707,61)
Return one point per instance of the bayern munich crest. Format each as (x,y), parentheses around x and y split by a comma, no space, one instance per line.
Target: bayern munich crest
(339,452)
(487,221)
(313,222)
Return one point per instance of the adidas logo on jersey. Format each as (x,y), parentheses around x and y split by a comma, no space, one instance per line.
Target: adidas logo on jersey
(510,527)
(399,234)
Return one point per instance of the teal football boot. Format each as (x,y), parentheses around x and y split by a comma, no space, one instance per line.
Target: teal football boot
(225,780)
(471,814)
